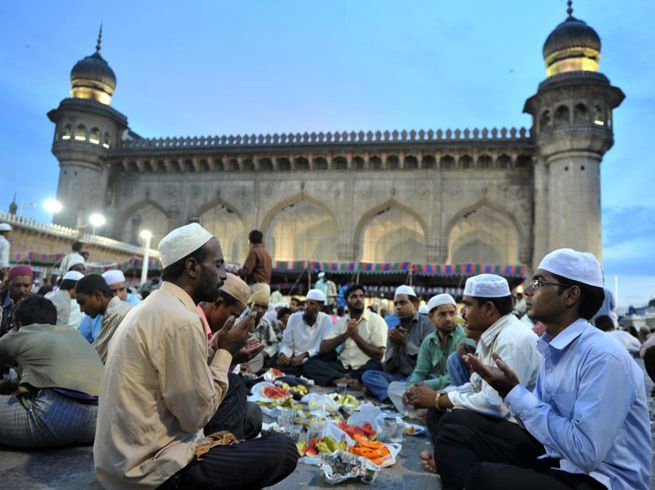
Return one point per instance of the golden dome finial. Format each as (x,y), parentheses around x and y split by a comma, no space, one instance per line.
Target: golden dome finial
(99,39)
(570,9)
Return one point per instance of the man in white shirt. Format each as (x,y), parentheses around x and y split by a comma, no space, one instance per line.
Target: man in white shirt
(4,249)
(487,309)
(364,338)
(304,333)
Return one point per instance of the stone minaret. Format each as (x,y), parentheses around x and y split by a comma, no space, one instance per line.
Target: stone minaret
(572,127)
(87,129)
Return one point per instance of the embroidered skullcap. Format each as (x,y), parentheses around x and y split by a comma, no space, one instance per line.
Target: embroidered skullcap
(260,296)
(423,309)
(486,286)
(408,290)
(316,295)
(181,242)
(73,276)
(75,260)
(19,270)
(5,227)
(321,275)
(440,299)
(236,287)
(113,277)
(578,266)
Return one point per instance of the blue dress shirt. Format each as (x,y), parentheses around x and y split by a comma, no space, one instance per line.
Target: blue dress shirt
(90,327)
(132,299)
(589,408)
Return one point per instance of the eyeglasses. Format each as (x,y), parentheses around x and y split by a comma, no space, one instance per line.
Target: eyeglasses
(537,283)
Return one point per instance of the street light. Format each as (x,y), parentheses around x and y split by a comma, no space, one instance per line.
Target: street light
(146,235)
(96,219)
(52,206)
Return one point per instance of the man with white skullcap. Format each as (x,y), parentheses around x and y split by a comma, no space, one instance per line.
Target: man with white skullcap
(159,388)
(487,309)
(73,260)
(328,287)
(115,279)
(62,297)
(363,335)
(304,333)
(432,364)
(5,246)
(587,422)
(403,344)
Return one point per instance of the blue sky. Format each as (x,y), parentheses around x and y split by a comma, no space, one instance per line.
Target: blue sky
(205,68)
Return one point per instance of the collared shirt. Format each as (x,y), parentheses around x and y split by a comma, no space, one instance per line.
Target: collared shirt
(4,252)
(62,301)
(52,356)
(517,346)
(589,408)
(132,299)
(90,327)
(299,337)
(403,360)
(370,327)
(75,316)
(258,266)
(114,314)
(392,320)
(157,392)
(433,358)
(267,334)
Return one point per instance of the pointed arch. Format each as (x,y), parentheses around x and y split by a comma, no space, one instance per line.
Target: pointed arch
(225,223)
(143,215)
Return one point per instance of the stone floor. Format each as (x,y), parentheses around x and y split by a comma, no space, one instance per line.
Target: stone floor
(72,468)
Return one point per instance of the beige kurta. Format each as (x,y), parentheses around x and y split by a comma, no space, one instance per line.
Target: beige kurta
(371,327)
(157,392)
(114,314)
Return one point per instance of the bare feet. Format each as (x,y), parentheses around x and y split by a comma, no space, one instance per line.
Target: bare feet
(422,414)
(427,458)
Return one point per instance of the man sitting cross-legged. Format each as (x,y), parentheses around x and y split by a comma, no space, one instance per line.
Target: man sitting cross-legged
(432,363)
(488,309)
(586,423)
(55,401)
(159,389)
(363,335)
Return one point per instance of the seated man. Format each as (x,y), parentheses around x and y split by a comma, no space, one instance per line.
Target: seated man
(61,298)
(364,338)
(265,332)
(303,336)
(432,363)
(458,370)
(487,309)
(586,423)
(115,279)
(159,388)
(403,344)
(19,286)
(96,299)
(232,300)
(58,381)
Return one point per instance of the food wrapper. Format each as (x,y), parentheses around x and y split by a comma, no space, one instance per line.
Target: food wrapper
(341,466)
(272,374)
(316,401)
(329,430)
(371,414)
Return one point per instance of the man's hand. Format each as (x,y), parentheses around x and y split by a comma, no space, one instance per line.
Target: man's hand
(463,349)
(501,378)
(297,360)
(282,360)
(249,351)
(352,328)
(397,337)
(420,396)
(232,338)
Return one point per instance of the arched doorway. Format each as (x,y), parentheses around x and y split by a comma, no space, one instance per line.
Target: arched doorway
(392,235)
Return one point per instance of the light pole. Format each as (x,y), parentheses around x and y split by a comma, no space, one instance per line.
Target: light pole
(146,235)
(52,206)
(96,219)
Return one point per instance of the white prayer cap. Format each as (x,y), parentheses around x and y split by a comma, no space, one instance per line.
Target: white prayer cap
(73,276)
(181,242)
(440,299)
(113,276)
(571,264)
(281,305)
(5,227)
(321,275)
(408,290)
(76,260)
(423,309)
(486,286)
(316,295)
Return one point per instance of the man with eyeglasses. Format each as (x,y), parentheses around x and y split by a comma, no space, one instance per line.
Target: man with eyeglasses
(586,423)
(116,282)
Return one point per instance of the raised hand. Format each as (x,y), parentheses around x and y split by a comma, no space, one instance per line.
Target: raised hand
(232,338)
(249,351)
(500,377)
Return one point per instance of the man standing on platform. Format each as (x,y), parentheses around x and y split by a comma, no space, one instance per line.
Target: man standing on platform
(364,338)
(258,266)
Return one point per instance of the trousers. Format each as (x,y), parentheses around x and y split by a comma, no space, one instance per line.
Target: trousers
(324,369)
(377,382)
(234,414)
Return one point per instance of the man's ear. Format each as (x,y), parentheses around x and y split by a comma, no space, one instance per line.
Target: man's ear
(192,267)
(488,309)
(572,296)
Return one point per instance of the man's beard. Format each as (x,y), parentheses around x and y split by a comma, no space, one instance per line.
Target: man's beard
(356,310)
(309,318)
(206,290)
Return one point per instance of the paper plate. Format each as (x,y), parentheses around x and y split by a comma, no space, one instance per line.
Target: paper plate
(413,429)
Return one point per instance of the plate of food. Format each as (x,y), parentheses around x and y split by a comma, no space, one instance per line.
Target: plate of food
(413,429)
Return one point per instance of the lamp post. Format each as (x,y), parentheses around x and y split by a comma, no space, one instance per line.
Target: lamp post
(146,235)
(96,219)
(52,206)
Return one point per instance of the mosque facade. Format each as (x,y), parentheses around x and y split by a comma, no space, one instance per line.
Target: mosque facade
(484,196)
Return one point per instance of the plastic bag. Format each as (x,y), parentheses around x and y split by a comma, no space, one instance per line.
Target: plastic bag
(328,430)
(341,466)
(316,401)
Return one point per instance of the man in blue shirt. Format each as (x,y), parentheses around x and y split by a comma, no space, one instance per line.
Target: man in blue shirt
(587,423)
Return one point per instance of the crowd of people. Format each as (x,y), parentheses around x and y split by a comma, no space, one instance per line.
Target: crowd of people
(535,389)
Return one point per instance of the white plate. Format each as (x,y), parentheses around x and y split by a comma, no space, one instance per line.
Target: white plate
(419,429)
